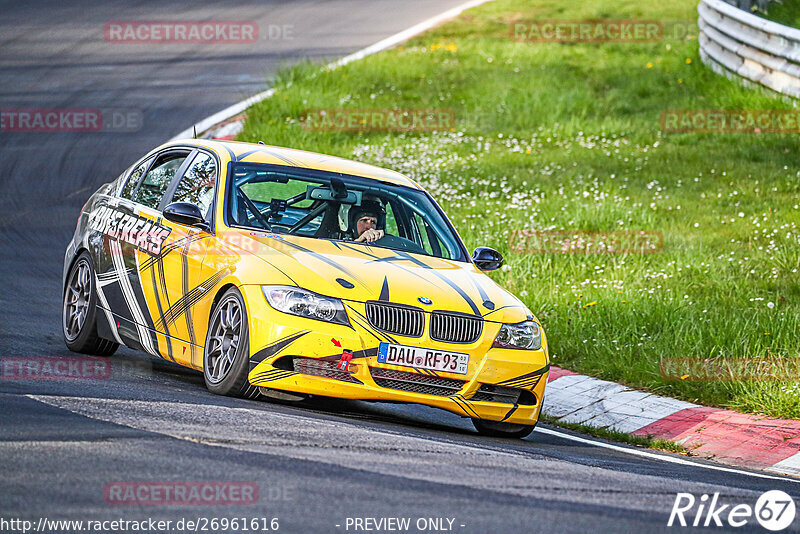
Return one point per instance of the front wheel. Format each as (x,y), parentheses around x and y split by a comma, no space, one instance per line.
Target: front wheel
(79,311)
(497,429)
(227,352)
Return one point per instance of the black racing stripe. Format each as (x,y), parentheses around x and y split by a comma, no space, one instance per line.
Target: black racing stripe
(259,379)
(162,280)
(230,153)
(175,245)
(463,405)
(487,314)
(242,156)
(325,259)
(280,157)
(487,303)
(446,280)
(274,348)
(161,313)
(164,251)
(269,152)
(272,373)
(537,373)
(512,410)
(467,404)
(525,384)
(405,270)
(185,277)
(384,296)
(191,298)
(369,327)
(163,277)
(360,250)
(137,286)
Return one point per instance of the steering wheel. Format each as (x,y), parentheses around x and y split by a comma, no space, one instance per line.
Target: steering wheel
(253,209)
(396,242)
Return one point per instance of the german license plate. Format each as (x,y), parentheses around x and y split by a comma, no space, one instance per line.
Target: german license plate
(422,358)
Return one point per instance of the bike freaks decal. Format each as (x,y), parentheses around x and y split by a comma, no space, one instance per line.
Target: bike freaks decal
(146,235)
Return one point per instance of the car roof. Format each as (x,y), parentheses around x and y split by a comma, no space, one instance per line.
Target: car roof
(273,155)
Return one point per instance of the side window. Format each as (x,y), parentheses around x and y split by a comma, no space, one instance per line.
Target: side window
(430,242)
(197,185)
(133,179)
(158,178)
(391,220)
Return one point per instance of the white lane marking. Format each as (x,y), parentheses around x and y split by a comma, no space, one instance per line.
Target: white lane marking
(663,458)
(790,465)
(395,39)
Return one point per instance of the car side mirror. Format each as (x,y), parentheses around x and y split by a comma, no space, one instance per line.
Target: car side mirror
(487,259)
(186,213)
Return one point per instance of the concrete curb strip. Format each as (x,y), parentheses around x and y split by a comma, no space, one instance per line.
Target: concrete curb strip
(724,436)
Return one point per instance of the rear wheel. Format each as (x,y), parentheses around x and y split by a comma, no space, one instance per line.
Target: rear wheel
(227,353)
(79,311)
(497,429)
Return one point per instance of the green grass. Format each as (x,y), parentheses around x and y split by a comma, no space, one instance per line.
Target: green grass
(567,136)
(785,12)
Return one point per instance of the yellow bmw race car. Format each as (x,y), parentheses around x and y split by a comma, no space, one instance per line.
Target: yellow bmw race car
(270,269)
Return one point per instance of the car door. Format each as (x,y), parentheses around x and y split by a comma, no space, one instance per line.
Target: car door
(135,237)
(177,281)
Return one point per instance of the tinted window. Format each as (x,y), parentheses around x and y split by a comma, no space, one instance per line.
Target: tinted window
(328,206)
(133,179)
(158,178)
(197,185)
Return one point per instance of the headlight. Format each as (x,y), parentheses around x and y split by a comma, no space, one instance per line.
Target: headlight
(304,303)
(527,335)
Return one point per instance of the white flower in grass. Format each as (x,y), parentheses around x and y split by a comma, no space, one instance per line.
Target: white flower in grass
(770,305)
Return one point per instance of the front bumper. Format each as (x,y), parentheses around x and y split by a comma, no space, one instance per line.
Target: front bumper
(301,355)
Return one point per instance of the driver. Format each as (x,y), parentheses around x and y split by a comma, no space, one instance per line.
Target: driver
(365,220)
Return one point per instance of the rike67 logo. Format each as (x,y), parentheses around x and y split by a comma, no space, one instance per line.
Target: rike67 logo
(774,510)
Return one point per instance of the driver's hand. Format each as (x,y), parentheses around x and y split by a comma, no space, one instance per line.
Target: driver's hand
(370,236)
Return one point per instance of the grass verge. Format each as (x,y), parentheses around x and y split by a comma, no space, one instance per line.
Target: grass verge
(567,137)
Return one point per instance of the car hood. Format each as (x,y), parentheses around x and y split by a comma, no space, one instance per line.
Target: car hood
(329,267)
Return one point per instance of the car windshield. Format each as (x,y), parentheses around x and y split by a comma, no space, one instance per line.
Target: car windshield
(326,205)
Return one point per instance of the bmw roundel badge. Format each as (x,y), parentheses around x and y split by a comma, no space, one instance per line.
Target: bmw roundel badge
(425,300)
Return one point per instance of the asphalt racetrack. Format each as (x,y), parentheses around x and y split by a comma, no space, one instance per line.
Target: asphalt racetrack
(319,464)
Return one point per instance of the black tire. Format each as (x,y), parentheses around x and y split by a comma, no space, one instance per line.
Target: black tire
(224,370)
(497,429)
(79,311)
